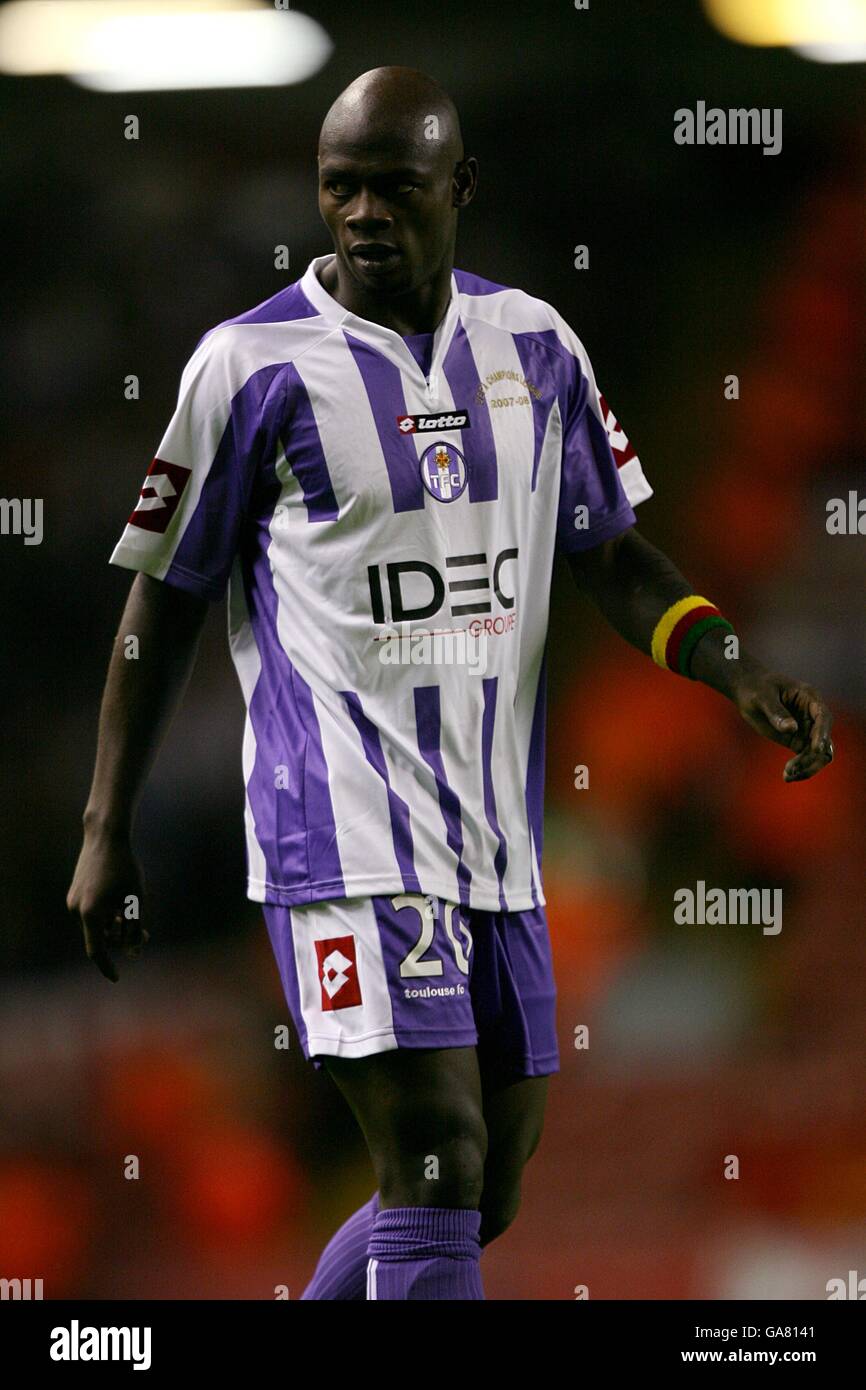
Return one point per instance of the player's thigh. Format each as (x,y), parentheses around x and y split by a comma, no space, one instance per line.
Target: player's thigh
(421,1114)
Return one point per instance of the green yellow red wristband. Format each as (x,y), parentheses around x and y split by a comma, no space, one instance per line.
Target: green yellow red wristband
(680,629)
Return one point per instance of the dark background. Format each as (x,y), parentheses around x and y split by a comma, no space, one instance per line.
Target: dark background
(704,1041)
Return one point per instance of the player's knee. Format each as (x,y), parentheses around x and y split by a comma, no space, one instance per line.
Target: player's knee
(533,1138)
(500,1200)
(436,1155)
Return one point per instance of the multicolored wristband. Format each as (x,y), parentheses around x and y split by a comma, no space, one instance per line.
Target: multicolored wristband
(680,629)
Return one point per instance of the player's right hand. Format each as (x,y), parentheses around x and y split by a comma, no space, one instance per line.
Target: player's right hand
(107,892)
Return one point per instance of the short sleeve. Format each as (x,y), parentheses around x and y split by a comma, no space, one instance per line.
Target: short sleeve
(185,527)
(601,480)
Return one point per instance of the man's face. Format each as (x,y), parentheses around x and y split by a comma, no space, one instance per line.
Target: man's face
(390,213)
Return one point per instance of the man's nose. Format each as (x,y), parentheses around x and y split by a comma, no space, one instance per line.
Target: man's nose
(368,208)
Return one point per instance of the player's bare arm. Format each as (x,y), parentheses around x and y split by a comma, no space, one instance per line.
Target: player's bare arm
(140,698)
(633,584)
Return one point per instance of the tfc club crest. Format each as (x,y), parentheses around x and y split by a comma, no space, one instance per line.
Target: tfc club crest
(443,471)
(338,972)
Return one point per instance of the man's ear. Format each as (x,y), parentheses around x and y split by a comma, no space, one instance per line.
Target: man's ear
(465,180)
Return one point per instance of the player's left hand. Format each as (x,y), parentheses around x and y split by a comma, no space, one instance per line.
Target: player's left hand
(791,713)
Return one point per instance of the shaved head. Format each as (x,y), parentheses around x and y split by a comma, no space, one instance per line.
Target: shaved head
(394,107)
(392,179)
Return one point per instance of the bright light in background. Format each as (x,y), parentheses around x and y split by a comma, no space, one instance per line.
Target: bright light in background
(830,31)
(135,46)
(832,52)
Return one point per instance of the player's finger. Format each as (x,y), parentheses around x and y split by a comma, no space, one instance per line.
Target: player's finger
(822,723)
(806,704)
(804,766)
(135,947)
(783,726)
(97,950)
(819,751)
(132,933)
(801,701)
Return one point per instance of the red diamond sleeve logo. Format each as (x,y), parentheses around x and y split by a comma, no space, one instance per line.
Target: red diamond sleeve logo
(618,439)
(160,495)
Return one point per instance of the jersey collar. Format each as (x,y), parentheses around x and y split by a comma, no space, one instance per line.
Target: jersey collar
(386,340)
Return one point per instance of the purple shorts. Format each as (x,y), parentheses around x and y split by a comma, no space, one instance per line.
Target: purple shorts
(365,975)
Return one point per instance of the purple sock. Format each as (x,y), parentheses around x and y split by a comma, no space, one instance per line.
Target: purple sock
(425,1253)
(342,1268)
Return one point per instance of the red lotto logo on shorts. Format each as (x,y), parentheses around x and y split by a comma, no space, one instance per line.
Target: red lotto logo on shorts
(160,494)
(338,972)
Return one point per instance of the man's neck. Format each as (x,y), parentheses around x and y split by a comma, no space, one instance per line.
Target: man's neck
(419,312)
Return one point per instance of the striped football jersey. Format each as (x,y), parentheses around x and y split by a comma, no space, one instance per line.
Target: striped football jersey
(387,539)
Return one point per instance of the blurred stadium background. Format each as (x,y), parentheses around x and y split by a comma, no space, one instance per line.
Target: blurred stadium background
(704,1041)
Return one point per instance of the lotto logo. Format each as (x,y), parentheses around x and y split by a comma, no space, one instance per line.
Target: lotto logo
(338,973)
(161,492)
(617,438)
(422,424)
